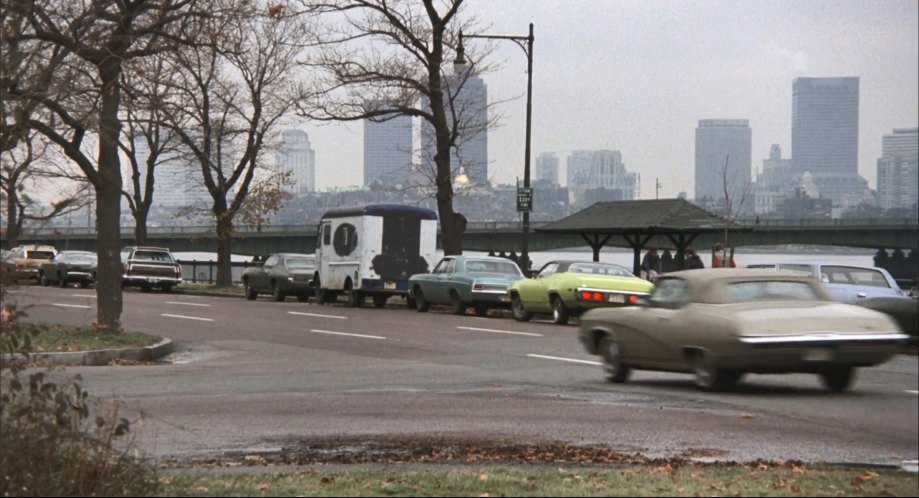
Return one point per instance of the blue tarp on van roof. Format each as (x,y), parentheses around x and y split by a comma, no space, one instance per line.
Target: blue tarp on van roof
(381,210)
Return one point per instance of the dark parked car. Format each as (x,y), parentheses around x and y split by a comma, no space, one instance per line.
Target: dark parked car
(148,267)
(77,267)
(281,275)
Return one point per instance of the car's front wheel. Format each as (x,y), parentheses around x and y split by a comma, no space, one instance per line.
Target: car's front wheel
(421,304)
(520,313)
(276,292)
(616,370)
(250,292)
(560,311)
(838,379)
(43,280)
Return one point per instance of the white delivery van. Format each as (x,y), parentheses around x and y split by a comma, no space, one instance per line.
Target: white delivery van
(372,251)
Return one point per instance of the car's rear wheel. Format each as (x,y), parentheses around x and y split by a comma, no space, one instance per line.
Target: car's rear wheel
(560,311)
(250,292)
(708,375)
(616,370)
(379,300)
(457,306)
(520,313)
(838,379)
(481,310)
(421,304)
(276,292)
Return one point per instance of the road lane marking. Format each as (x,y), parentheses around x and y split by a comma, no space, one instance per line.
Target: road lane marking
(493,331)
(559,358)
(85,295)
(347,334)
(318,315)
(188,317)
(82,306)
(188,304)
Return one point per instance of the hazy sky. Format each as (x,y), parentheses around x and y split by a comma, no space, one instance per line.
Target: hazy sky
(637,76)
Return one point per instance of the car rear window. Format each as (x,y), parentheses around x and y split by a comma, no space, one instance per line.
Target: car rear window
(157,256)
(39,254)
(484,266)
(854,276)
(599,269)
(771,290)
(80,258)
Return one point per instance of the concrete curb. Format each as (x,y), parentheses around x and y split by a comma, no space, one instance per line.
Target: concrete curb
(99,357)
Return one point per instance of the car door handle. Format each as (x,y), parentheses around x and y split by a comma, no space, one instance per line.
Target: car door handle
(862,294)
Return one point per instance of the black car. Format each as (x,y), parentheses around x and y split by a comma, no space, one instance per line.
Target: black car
(281,275)
(78,267)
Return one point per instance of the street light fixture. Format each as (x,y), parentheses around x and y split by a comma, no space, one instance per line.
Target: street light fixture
(527,192)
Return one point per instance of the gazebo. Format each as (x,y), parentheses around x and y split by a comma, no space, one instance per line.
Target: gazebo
(638,222)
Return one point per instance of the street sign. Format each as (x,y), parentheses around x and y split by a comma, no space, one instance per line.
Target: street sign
(524,199)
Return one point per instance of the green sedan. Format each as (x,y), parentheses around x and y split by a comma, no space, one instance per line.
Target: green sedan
(568,288)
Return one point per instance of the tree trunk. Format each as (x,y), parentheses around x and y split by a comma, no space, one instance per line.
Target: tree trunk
(140,226)
(224,250)
(108,205)
(13,220)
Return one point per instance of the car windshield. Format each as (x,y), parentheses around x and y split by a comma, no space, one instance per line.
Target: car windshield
(297,263)
(157,256)
(485,266)
(39,254)
(771,290)
(599,269)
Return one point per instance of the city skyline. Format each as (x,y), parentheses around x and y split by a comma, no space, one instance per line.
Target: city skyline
(638,76)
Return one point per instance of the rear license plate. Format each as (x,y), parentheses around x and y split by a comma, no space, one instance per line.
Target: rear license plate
(389,285)
(818,355)
(616,298)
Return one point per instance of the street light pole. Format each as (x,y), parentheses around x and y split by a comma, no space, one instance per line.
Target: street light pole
(528,50)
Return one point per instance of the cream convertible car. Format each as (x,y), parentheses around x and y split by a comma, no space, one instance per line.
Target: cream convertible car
(721,323)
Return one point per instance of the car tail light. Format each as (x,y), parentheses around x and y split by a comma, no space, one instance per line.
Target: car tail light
(633,299)
(591,296)
(478,287)
(179,271)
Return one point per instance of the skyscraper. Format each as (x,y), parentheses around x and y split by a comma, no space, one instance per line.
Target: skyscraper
(388,152)
(296,156)
(824,137)
(898,169)
(600,175)
(723,158)
(547,168)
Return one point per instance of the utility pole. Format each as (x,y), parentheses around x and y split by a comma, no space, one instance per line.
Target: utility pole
(657,188)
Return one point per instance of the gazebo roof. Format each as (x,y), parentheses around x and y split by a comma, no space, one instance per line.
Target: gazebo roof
(645,216)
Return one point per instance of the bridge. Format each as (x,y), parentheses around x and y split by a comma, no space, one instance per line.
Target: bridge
(506,236)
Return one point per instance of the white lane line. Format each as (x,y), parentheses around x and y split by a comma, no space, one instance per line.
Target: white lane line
(82,306)
(188,317)
(911,392)
(189,304)
(93,296)
(347,334)
(318,315)
(558,358)
(493,331)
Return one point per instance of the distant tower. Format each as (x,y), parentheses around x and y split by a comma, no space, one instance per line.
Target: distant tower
(719,141)
(547,168)
(824,136)
(295,155)
(898,169)
(388,152)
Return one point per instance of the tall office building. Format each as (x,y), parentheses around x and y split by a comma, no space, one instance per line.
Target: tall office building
(723,157)
(898,169)
(824,137)
(773,182)
(547,168)
(388,152)
(604,173)
(470,156)
(297,157)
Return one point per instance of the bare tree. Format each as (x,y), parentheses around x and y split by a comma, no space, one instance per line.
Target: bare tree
(230,95)
(381,59)
(19,166)
(732,205)
(88,45)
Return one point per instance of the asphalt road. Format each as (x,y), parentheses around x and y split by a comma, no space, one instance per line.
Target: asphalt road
(262,375)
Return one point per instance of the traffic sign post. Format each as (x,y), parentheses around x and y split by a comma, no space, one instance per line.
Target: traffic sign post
(524,199)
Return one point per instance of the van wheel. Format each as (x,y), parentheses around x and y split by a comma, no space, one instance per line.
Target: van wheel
(421,304)
(355,297)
